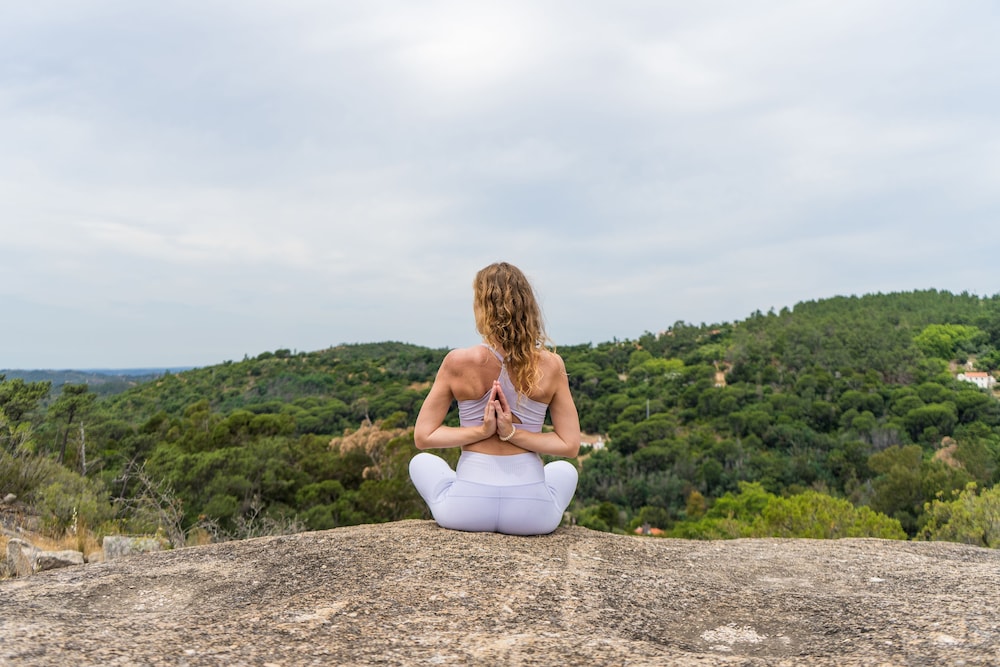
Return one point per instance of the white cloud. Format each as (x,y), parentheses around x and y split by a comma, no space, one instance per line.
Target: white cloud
(279,175)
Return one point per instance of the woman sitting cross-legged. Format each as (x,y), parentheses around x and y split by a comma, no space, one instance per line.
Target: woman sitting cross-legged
(504,388)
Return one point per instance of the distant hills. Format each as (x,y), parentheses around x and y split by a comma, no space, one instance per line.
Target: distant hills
(849,409)
(102,381)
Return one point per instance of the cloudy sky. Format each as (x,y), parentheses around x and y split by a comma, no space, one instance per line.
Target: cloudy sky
(185,183)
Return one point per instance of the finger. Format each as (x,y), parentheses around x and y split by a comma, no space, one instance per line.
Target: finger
(498,390)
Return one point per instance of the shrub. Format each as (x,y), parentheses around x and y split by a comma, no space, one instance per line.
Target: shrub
(970,518)
(817,515)
(23,474)
(68,501)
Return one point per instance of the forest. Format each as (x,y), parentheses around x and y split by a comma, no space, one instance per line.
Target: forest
(839,417)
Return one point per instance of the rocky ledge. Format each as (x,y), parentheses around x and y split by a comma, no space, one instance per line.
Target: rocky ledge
(410,593)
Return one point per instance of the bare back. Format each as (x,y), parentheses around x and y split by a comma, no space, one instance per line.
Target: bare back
(472,372)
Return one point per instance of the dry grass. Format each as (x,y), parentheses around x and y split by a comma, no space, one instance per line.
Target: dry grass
(83,541)
(4,574)
(198,537)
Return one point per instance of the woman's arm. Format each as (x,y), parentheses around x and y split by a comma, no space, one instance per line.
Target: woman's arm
(430,431)
(564,440)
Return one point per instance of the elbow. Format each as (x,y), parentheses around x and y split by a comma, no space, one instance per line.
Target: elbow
(572,449)
(420,439)
(573,443)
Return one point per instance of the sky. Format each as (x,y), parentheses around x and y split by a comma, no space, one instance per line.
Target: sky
(187,183)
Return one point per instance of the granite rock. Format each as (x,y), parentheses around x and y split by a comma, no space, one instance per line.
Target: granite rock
(119,546)
(411,593)
(51,560)
(24,559)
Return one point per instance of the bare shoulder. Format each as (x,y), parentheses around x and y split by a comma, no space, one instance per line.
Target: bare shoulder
(460,359)
(552,364)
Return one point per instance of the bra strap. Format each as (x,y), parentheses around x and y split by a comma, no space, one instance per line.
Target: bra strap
(500,358)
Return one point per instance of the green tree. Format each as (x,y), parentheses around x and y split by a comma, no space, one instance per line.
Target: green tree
(605,517)
(730,517)
(979,455)
(654,517)
(817,515)
(68,412)
(18,399)
(970,518)
(69,501)
(898,489)
(945,340)
(938,419)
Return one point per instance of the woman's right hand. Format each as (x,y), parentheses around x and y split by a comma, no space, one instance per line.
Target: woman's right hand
(490,415)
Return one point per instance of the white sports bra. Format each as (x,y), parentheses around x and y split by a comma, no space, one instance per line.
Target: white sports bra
(530,412)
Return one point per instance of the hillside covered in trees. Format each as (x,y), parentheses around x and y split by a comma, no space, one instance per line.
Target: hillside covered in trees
(840,417)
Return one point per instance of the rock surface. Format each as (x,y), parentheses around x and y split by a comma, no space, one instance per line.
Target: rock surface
(51,560)
(410,593)
(20,557)
(119,546)
(24,559)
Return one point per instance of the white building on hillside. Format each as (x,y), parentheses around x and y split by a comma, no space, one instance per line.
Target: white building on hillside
(978,378)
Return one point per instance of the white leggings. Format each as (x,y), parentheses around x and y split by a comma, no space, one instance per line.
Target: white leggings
(501,494)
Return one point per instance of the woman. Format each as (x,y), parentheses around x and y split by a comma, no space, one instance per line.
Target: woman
(504,388)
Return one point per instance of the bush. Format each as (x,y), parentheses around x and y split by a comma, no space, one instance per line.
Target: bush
(23,474)
(816,515)
(756,513)
(970,518)
(69,501)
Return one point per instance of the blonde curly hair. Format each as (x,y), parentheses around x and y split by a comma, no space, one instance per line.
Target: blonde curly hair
(508,317)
